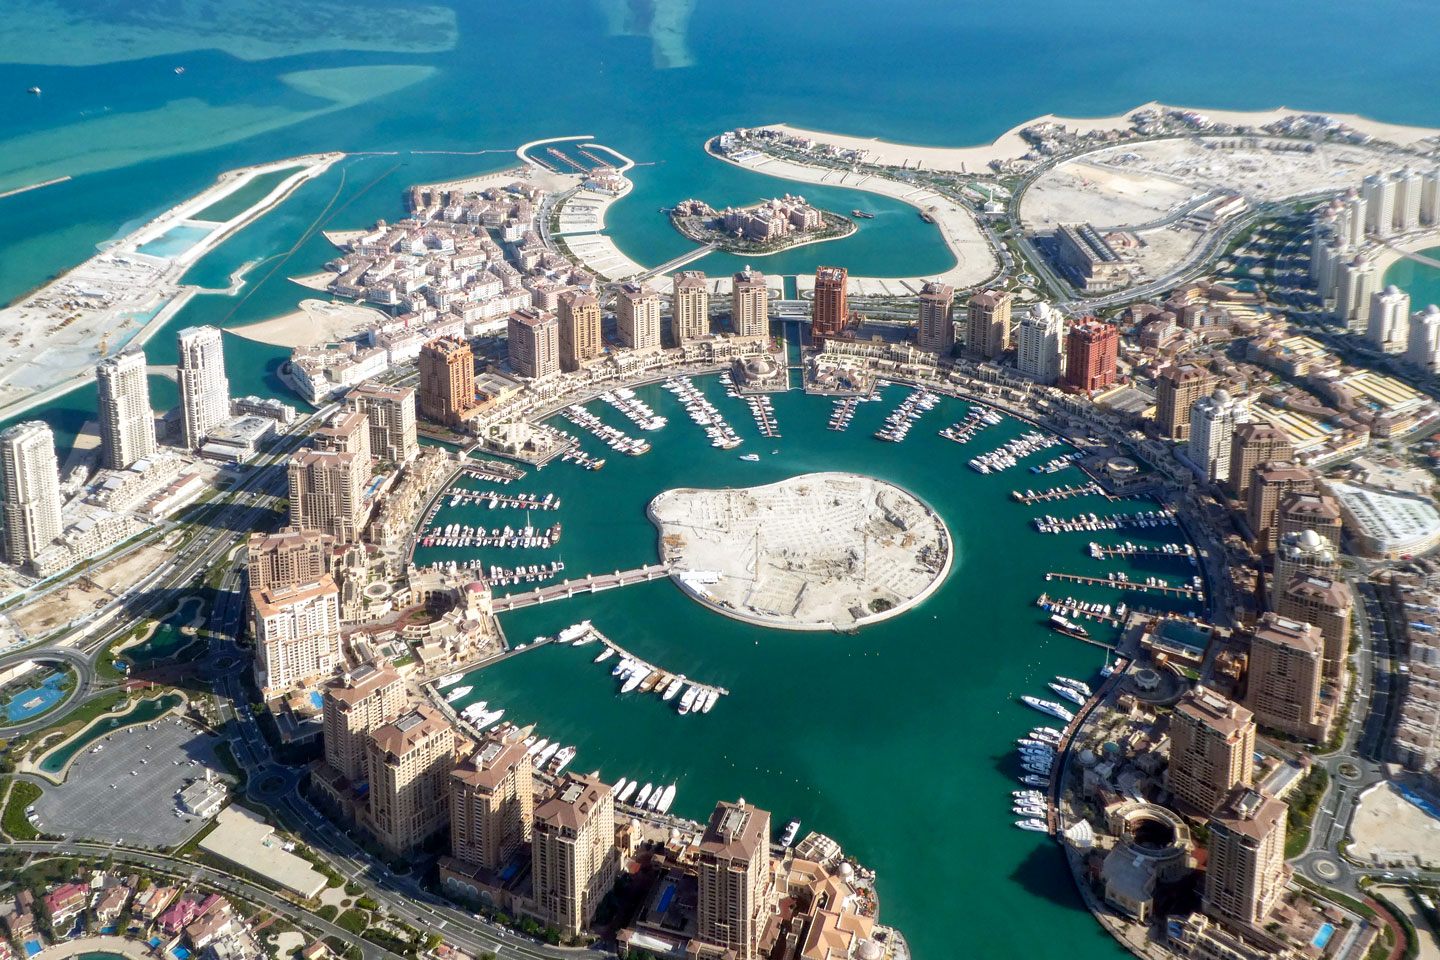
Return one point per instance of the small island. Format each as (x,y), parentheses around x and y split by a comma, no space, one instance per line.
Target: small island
(820,551)
(781,223)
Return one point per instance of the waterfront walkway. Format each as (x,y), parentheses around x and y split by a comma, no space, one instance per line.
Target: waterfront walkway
(594,583)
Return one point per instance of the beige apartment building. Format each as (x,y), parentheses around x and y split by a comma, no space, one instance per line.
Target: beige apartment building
(353,705)
(736,886)
(346,431)
(534,340)
(327,491)
(1177,388)
(1284,677)
(1212,749)
(637,316)
(390,412)
(297,634)
(1245,874)
(1251,445)
(935,328)
(289,557)
(689,307)
(1325,603)
(492,805)
(578,317)
(987,323)
(409,762)
(749,304)
(447,381)
(572,851)
(1269,483)
(1302,511)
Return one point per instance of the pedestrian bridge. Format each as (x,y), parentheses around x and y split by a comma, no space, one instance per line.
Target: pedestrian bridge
(593,583)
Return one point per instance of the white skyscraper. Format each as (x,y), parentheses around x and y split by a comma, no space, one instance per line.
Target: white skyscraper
(1379,194)
(1354,217)
(1408,188)
(1040,344)
(127,424)
(1430,198)
(1389,326)
(30,498)
(1355,282)
(1212,423)
(204,389)
(1424,347)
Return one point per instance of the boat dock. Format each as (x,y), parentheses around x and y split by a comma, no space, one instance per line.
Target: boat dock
(613,437)
(493,470)
(594,583)
(1060,493)
(1067,736)
(1176,551)
(655,679)
(1152,586)
(566,158)
(461,497)
(1093,523)
(764,415)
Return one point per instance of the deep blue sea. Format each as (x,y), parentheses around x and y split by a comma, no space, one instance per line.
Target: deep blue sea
(266,79)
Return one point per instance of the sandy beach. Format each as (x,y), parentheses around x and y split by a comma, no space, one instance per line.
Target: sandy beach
(976,159)
(316,322)
(105,944)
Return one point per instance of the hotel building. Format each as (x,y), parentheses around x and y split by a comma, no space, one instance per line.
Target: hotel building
(1284,677)
(29,490)
(492,806)
(297,634)
(572,851)
(578,317)
(1269,484)
(689,307)
(127,424)
(831,311)
(1245,873)
(935,329)
(1176,389)
(346,431)
(204,388)
(1091,351)
(1389,327)
(1324,603)
(749,304)
(327,491)
(289,557)
(637,316)
(1252,444)
(447,381)
(1040,344)
(390,413)
(1299,512)
(987,323)
(1213,420)
(736,889)
(408,762)
(534,340)
(1212,749)
(355,704)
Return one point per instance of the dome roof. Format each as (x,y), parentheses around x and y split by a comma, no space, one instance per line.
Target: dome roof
(846,870)
(1309,539)
(1432,311)
(869,950)
(476,587)
(1392,289)
(1221,395)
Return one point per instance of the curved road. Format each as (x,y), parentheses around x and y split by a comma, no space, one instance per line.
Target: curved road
(82,663)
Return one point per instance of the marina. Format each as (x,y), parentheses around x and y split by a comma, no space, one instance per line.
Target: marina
(1118,521)
(1122,581)
(906,415)
(1058,493)
(842,413)
(464,535)
(493,470)
(461,497)
(613,437)
(1183,551)
(979,418)
(637,411)
(764,413)
(703,413)
(1014,451)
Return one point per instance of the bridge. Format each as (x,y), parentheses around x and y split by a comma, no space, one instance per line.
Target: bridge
(677,263)
(1418,258)
(594,583)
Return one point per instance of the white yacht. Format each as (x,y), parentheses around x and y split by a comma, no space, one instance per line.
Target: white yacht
(645,792)
(1048,706)
(1069,693)
(537,747)
(674,688)
(457,693)
(619,788)
(629,792)
(1032,824)
(688,700)
(637,675)
(710,697)
(605,654)
(449,680)
(666,798)
(547,754)
(792,830)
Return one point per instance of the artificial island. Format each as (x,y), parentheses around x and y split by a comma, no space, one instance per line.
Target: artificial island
(1189,306)
(817,551)
(765,228)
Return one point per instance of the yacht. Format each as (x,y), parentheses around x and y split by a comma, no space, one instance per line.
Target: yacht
(629,792)
(449,680)
(688,700)
(792,829)
(1028,810)
(636,676)
(750,457)
(618,790)
(457,693)
(537,747)
(655,799)
(645,792)
(1027,794)
(666,798)
(562,759)
(1049,707)
(1069,693)
(710,697)
(1032,824)
(605,654)
(546,755)
(573,632)
(674,688)
(1076,684)
(1035,780)
(624,666)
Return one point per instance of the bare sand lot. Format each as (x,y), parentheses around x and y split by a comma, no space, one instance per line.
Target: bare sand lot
(818,551)
(1388,827)
(316,322)
(57,608)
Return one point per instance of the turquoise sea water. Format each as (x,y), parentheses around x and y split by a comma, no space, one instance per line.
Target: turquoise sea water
(1416,279)
(895,740)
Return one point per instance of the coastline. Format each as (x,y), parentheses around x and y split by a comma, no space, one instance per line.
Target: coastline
(976,158)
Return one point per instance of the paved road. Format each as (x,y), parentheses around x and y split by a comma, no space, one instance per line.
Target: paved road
(79,661)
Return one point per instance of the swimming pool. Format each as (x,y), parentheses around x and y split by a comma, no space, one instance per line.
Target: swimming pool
(1323,935)
(665,899)
(174,241)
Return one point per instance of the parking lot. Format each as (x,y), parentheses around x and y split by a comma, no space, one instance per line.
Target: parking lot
(126,791)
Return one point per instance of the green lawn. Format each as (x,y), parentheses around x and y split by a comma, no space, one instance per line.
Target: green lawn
(22,794)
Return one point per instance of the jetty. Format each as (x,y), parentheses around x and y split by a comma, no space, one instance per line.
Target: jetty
(1067,739)
(594,583)
(656,679)
(1060,493)
(1151,585)
(1173,551)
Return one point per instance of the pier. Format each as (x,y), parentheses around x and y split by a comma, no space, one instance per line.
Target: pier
(1178,551)
(1164,588)
(591,584)
(1067,736)
(662,678)
(494,470)
(566,158)
(1060,493)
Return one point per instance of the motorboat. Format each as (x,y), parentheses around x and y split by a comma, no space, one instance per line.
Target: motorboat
(666,798)
(449,680)
(688,700)
(457,693)
(1048,706)
(546,755)
(792,830)
(605,654)
(1034,823)
(628,792)
(537,747)
(1069,693)
(645,792)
